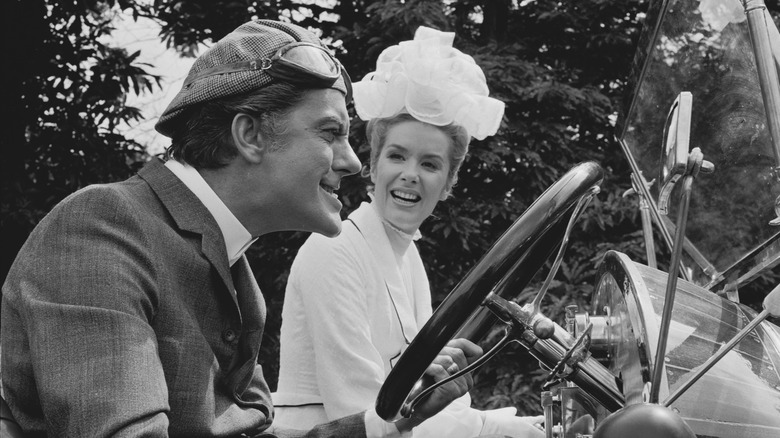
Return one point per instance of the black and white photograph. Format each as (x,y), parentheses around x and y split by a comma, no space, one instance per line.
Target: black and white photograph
(390,219)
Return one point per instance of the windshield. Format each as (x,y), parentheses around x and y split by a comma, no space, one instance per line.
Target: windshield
(703,47)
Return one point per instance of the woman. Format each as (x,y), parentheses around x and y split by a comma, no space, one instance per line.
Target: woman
(354,302)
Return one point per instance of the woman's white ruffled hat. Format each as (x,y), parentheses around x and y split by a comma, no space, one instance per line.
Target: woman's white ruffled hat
(432,81)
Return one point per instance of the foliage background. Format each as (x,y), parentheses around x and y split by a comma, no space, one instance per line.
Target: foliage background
(561,67)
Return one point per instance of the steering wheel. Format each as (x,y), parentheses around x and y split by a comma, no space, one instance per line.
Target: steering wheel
(509,264)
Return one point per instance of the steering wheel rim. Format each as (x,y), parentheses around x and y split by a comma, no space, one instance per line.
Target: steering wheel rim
(512,261)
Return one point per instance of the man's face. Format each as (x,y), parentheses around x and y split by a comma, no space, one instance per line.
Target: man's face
(308,168)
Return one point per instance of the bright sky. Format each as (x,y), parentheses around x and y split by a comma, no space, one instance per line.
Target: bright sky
(143,35)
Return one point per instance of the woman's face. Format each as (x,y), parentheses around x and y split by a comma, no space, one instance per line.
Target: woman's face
(411,174)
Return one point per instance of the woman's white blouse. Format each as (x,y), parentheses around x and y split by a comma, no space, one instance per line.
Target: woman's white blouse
(351,306)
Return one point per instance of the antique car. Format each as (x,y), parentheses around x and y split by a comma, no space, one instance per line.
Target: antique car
(656,354)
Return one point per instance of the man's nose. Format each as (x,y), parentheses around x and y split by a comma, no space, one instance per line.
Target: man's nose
(345,161)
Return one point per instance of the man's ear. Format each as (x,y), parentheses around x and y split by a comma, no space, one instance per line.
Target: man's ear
(248,137)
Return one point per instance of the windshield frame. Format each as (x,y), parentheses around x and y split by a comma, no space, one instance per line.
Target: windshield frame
(765,255)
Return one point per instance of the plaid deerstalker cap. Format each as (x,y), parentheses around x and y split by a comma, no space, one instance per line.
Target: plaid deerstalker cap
(251,41)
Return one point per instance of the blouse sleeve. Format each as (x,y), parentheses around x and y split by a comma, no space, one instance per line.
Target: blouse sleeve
(330,279)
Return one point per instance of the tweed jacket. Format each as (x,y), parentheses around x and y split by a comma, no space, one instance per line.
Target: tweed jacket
(119,318)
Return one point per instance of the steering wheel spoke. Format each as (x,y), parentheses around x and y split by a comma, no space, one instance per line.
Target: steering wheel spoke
(568,363)
(423,389)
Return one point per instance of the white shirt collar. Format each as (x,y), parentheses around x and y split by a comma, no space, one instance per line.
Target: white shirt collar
(404,235)
(237,238)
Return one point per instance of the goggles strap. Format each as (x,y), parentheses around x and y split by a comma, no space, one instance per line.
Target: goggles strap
(280,72)
(235,67)
(262,64)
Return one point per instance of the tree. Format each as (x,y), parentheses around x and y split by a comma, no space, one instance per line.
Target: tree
(63,97)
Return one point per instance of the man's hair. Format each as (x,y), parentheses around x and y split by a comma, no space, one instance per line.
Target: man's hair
(204,140)
(376,132)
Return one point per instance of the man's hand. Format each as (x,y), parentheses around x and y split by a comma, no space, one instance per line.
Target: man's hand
(458,354)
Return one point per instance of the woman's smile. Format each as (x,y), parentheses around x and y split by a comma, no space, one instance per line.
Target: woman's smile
(411,173)
(404,197)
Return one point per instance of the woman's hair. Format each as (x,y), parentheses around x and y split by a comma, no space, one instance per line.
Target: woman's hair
(377,129)
(204,140)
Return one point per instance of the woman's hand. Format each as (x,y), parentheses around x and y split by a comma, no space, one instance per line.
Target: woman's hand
(458,354)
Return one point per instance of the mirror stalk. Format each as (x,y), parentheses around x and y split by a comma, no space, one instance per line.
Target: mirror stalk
(695,164)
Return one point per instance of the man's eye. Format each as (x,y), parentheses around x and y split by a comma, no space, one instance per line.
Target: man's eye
(334,133)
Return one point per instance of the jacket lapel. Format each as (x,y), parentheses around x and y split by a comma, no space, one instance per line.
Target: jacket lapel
(371,226)
(253,305)
(191,215)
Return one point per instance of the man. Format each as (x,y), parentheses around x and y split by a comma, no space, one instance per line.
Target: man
(131,310)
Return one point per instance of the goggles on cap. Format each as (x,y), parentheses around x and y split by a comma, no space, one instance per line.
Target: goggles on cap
(299,63)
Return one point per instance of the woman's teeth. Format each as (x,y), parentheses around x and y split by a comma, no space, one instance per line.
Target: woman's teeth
(405,197)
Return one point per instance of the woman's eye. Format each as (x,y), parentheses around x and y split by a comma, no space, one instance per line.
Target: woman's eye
(395,156)
(431,165)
